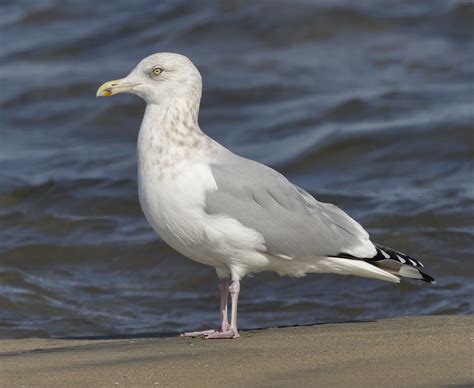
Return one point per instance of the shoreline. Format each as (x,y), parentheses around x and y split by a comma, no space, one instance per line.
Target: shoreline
(426,350)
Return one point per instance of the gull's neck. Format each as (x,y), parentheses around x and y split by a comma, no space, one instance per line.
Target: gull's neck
(170,133)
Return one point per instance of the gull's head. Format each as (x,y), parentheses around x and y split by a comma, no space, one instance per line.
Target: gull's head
(158,78)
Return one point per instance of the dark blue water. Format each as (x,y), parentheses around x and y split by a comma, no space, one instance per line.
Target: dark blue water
(367,104)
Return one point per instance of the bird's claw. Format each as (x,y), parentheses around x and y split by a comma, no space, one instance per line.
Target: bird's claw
(227,334)
(203,333)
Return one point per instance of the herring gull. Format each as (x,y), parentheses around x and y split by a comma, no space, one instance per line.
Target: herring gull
(235,214)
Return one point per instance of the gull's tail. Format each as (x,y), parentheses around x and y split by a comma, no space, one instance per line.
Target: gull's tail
(398,263)
(391,261)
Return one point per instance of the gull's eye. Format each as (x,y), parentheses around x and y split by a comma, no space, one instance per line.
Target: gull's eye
(157,71)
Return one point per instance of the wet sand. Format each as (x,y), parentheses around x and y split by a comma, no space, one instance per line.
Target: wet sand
(410,351)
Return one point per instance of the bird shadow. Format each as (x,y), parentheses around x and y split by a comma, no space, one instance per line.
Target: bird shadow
(171,334)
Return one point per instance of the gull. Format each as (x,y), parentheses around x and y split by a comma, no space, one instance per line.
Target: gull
(232,213)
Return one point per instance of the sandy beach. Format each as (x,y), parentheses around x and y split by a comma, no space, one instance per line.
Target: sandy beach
(410,351)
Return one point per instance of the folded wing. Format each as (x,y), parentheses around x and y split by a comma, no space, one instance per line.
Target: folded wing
(293,224)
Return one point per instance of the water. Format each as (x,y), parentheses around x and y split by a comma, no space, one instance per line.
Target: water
(368,105)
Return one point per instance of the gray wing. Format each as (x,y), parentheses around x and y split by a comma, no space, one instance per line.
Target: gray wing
(292,223)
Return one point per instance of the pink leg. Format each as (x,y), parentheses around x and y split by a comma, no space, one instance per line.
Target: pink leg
(232,331)
(224,323)
(224,288)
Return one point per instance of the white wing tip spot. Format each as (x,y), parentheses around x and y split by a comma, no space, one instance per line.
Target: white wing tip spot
(401,259)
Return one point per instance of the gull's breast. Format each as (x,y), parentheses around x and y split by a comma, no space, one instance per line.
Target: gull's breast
(176,196)
(173,203)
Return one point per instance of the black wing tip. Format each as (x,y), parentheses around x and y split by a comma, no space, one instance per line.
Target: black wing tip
(404,259)
(385,253)
(389,253)
(427,278)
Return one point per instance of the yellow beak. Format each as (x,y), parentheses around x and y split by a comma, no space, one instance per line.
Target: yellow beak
(113,87)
